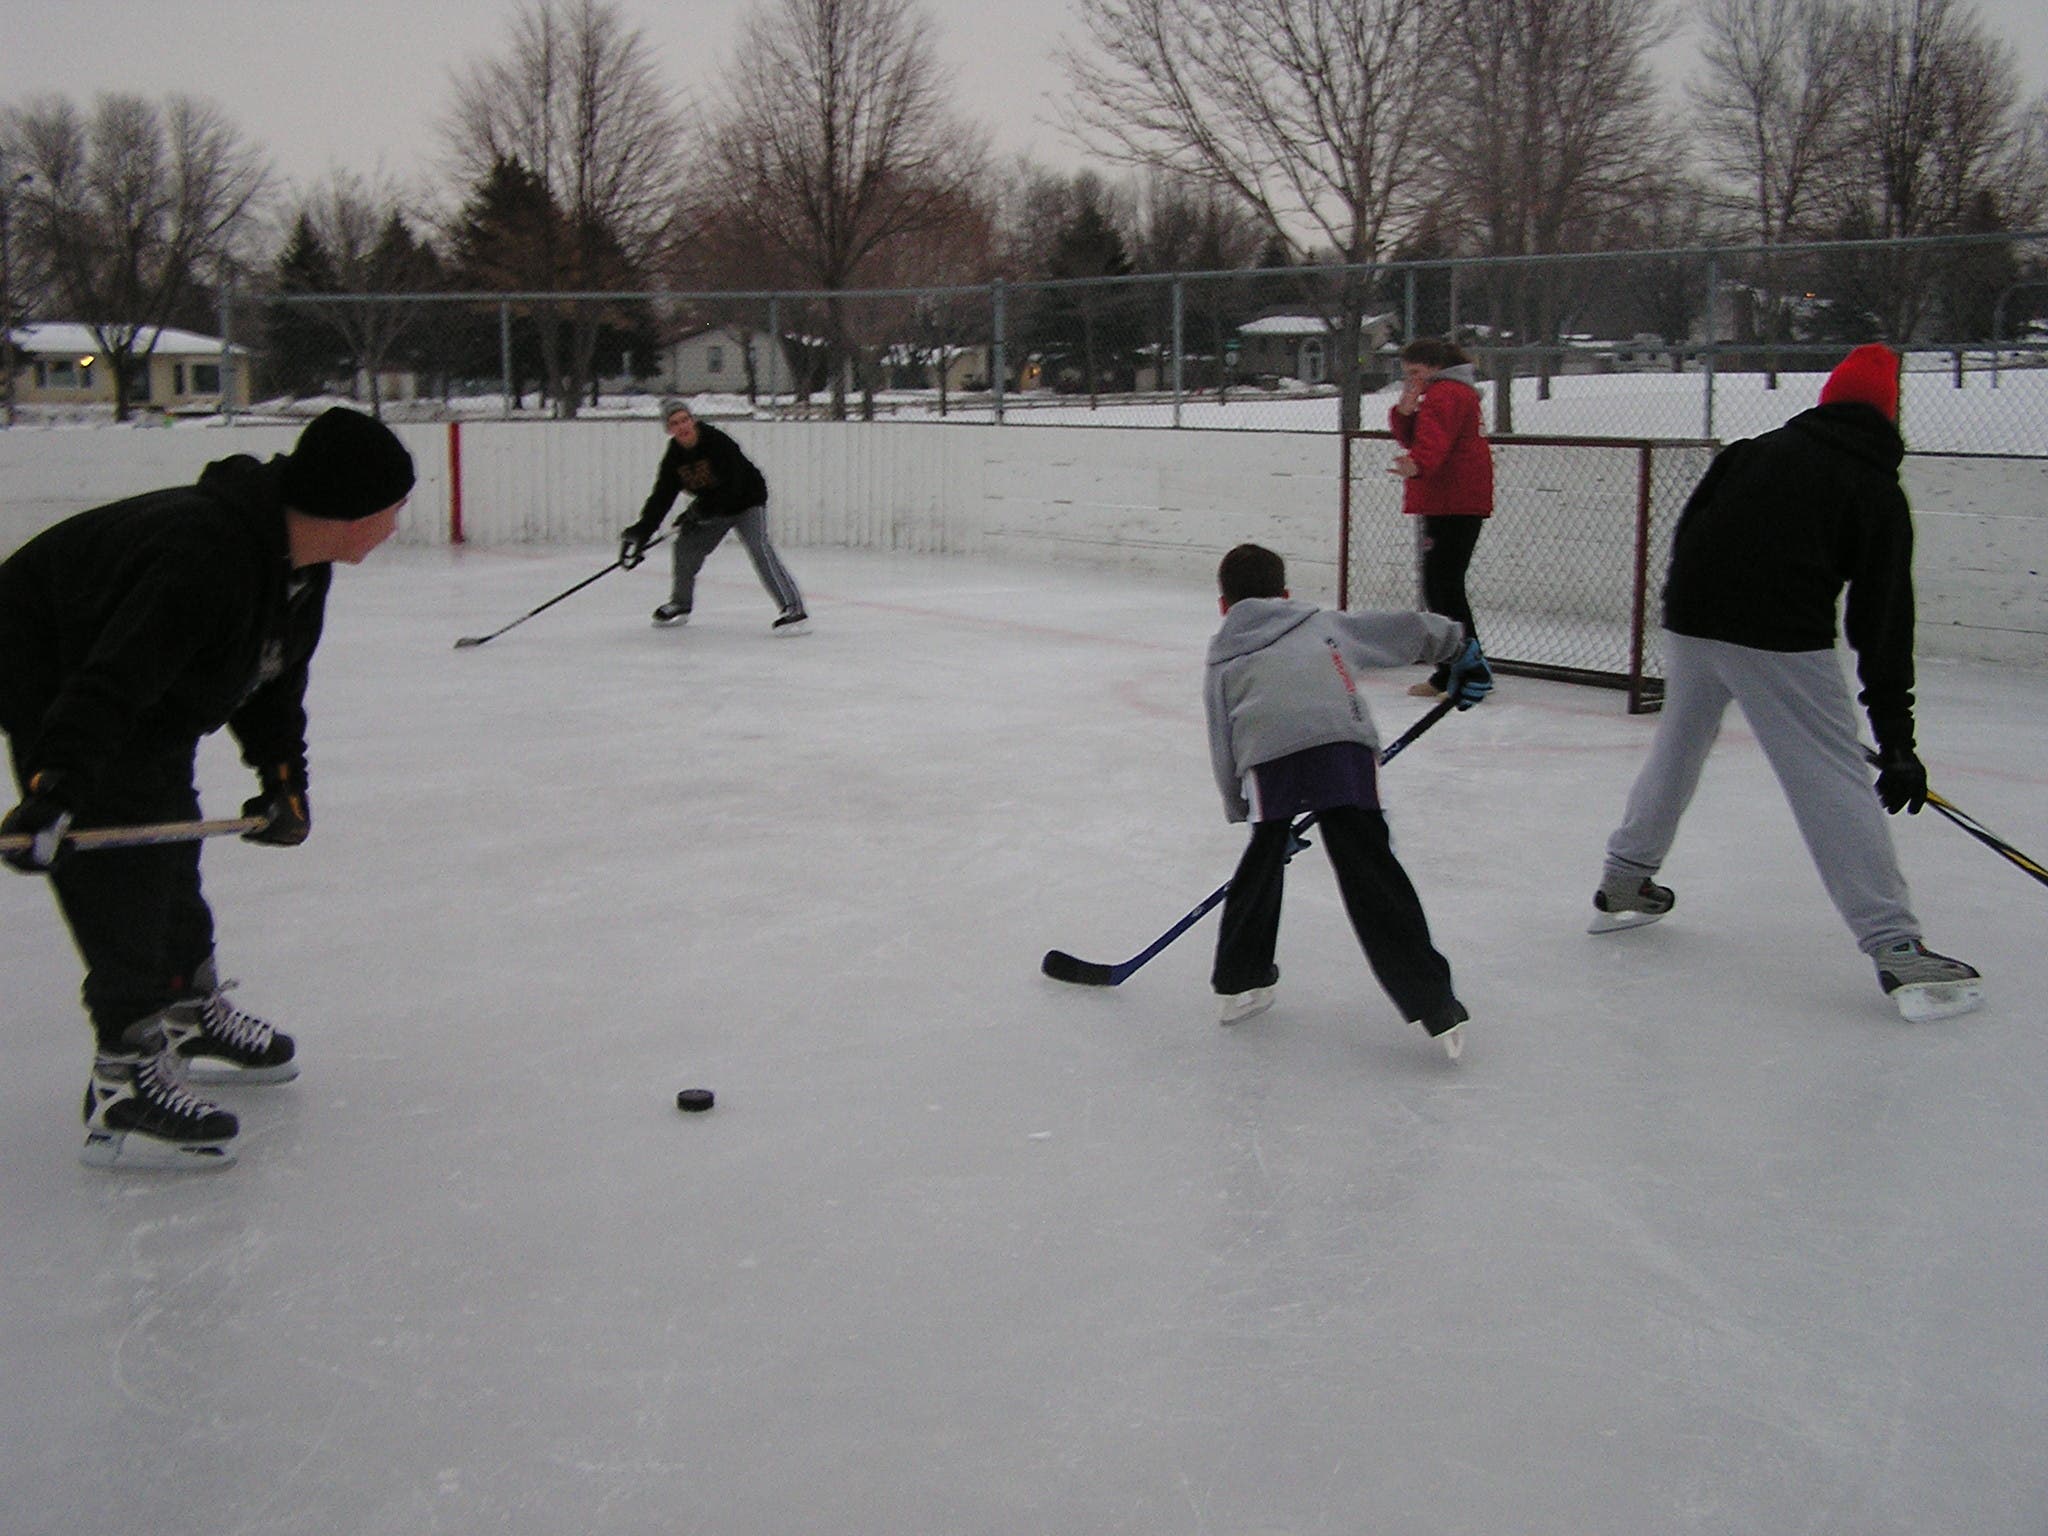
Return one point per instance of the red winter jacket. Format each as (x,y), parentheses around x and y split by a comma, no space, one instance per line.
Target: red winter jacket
(1444,439)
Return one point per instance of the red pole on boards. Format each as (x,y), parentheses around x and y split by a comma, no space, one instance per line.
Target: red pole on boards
(454,482)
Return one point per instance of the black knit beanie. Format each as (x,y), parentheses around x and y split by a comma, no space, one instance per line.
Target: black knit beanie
(346,465)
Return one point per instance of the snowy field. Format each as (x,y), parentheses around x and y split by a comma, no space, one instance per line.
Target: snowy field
(1697,1238)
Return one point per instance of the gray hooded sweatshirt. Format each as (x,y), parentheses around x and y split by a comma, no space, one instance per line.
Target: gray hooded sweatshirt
(1280,680)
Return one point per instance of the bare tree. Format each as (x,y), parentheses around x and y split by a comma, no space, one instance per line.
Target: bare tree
(132,210)
(372,261)
(838,140)
(1552,122)
(1770,106)
(1310,112)
(576,101)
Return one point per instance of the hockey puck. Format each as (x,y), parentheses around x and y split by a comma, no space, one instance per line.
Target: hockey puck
(694,1100)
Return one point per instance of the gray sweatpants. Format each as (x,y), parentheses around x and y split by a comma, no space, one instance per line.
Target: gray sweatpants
(1798,704)
(694,542)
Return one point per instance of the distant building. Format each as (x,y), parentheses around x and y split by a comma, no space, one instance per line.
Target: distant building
(725,360)
(59,362)
(1303,347)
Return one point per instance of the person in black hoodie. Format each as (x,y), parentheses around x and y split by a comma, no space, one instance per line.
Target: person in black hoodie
(1776,530)
(126,633)
(728,492)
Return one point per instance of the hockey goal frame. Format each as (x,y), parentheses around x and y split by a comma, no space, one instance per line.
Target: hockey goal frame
(1561,583)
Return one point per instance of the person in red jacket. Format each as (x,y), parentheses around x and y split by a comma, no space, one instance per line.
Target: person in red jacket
(1449,469)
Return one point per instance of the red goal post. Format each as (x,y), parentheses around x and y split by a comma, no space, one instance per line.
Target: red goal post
(1565,581)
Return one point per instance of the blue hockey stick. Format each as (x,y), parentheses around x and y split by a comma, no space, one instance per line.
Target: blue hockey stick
(1061,966)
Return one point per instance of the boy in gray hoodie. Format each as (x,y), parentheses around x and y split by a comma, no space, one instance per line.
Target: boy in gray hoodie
(1290,735)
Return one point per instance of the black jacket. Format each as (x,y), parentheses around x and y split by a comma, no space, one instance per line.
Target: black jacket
(155,620)
(723,480)
(1780,525)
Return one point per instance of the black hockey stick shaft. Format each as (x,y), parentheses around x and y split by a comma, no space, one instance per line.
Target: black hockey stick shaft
(1061,966)
(1977,829)
(473,640)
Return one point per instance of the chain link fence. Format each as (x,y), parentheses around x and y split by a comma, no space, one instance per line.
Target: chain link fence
(1710,344)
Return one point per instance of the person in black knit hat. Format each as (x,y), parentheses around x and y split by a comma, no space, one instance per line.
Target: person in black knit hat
(127,632)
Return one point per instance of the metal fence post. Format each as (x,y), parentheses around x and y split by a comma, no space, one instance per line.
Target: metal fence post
(227,351)
(1179,321)
(1002,368)
(505,355)
(1707,354)
(777,360)
(1408,313)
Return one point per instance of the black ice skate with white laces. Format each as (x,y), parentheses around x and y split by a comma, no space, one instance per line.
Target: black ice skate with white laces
(139,1114)
(216,1042)
(1628,900)
(1926,986)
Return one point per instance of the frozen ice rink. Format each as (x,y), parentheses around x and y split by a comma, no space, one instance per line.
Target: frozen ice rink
(1698,1236)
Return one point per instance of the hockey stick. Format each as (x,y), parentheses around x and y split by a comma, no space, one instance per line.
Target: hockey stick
(1979,831)
(142,835)
(1061,966)
(469,640)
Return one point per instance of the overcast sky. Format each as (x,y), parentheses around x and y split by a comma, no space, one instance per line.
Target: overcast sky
(363,84)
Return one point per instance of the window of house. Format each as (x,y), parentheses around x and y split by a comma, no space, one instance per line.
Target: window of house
(202,379)
(714,359)
(1312,362)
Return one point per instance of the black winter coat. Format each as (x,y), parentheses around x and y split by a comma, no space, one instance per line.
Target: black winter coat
(1780,525)
(153,621)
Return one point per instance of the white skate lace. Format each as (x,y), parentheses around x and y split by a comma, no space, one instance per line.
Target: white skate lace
(159,1080)
(242,1030)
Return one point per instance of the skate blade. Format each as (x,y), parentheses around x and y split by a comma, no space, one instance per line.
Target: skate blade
(122,1152)
(1453,1041)
(1615,922)
(1245,1005)
(217,1075)
(1924,1002)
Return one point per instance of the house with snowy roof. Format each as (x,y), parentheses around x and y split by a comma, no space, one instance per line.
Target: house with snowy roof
(1302,347)
(61,362)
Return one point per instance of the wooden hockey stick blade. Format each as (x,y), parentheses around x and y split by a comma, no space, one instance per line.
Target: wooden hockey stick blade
(142,835)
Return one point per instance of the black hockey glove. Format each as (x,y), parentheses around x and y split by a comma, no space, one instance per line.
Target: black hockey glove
(1901,781)
(287,817)
(633,544)
(1470,679)
(43,817)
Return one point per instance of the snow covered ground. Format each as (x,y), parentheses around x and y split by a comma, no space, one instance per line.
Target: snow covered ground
(1697,1238)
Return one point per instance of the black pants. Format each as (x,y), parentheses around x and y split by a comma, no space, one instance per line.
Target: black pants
(1385,912)
(1447,545)
(138,918)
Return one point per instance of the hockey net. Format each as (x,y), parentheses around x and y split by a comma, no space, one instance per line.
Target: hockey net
(1565,580)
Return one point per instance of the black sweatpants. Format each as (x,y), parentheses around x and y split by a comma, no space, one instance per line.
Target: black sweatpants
(1385,912)
(141,925)
(1447,545)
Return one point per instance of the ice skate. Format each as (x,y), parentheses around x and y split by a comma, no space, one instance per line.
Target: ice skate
(1447,1027)
(794,622)
(1238,1006)
(669,615)
(1924,985)
(138,1114)
(1628,901)
(216,1042)
(1252,1000)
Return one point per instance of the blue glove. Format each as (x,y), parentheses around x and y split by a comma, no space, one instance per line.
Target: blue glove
(1471,679)
(43,817)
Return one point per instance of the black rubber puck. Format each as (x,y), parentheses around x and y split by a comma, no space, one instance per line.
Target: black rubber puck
(694,1099)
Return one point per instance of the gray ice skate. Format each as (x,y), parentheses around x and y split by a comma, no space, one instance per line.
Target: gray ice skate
(1927,986)
(1628,900)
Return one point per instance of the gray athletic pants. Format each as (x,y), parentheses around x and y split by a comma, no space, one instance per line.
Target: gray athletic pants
(694,542)
(1798,704)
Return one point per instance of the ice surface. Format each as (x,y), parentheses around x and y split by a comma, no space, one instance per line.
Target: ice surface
(1697,1237)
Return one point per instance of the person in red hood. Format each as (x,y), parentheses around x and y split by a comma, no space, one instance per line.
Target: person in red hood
(1777,530)
(1449,469)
